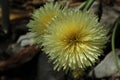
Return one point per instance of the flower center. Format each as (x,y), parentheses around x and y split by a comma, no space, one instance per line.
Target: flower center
(73,39)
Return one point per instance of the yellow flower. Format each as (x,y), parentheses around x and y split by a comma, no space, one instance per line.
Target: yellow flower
(74,41)
(41,18)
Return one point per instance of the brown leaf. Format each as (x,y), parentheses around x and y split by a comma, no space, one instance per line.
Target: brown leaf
(23,56)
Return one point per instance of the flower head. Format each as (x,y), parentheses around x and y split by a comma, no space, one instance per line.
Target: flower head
(41,18)
(74,41)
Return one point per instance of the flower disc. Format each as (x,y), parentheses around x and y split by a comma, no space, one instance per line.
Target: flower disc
(74,41)
(41,18)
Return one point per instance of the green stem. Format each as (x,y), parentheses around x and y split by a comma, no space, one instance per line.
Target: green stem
(113,44)
(88,5)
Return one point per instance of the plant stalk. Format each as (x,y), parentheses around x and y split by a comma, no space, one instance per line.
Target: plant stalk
(88,5)
(113,44)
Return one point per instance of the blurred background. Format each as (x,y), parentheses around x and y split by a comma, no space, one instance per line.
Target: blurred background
(21,61)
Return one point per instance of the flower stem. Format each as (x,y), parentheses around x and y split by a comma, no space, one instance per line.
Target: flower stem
(113,44)
(88,5)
